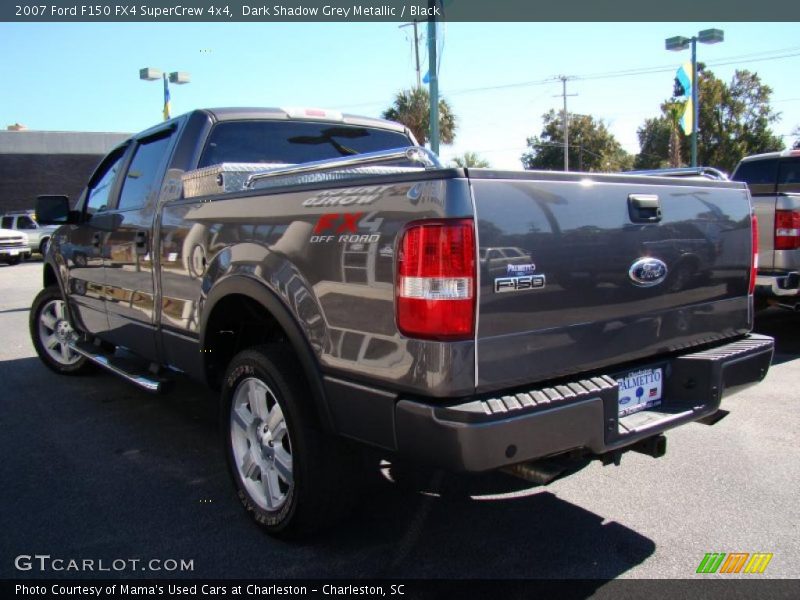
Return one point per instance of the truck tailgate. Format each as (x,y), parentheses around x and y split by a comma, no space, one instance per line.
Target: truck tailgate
(577,273)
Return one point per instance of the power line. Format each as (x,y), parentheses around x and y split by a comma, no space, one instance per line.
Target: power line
(747,58)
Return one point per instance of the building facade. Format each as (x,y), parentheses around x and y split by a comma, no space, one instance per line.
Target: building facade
(48,162)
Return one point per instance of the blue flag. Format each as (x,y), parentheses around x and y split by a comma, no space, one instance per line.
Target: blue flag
(166,99)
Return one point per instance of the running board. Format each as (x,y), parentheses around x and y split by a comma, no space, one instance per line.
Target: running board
(130,369)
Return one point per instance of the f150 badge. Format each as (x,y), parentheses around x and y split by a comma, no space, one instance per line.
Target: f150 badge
(647,272)
(519,283)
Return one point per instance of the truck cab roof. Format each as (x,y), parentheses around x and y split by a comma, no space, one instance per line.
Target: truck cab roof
(768,155)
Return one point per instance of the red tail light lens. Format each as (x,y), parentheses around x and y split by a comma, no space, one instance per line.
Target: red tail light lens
(787,229)
(436,280)
(754,258)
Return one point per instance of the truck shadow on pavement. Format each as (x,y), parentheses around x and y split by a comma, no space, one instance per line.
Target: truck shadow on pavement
(94,468)
(784,326)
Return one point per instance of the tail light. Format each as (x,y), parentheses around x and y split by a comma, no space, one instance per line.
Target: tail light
(436,280)
(754,255)
(787,229)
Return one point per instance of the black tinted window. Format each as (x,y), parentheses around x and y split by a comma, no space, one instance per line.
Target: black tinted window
(789,172)
(293,142)
(25,222)
(142,176)
(8,223)
(98,194)
(757,172)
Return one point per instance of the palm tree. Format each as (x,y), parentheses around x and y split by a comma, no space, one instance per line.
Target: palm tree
(412,109)
(674,111)
(470,160)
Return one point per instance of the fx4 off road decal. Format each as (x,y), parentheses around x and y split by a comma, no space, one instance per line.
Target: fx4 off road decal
(347,228)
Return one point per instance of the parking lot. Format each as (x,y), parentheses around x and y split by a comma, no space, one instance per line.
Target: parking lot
(94,468)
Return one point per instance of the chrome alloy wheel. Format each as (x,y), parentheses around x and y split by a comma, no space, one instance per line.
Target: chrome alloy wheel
(55,333)
(262,449)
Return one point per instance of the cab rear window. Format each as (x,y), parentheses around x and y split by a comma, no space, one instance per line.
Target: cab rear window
(757,172)
(293,142)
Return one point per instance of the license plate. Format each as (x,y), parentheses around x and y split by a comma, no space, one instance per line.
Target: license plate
(13,252)
(639,390)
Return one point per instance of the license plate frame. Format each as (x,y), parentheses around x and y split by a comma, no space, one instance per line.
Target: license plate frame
(639,389)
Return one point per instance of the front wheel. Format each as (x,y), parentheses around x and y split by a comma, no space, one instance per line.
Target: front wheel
(51,333)
(290,476)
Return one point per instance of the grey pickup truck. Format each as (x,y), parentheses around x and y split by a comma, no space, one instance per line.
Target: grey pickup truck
(774,182)
(343,291)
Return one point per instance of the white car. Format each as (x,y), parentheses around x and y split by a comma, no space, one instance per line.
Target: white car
(25,222)
(14,246)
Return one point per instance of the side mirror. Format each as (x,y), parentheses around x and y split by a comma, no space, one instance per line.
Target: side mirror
(54,210)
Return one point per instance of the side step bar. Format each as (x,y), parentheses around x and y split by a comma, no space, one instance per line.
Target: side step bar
(127,368)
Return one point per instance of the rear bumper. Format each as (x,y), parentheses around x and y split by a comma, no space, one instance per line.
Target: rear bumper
(488,433)
(778,285)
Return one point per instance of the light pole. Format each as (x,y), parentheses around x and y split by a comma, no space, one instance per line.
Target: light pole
(707,36)
(176,77)
(434,78)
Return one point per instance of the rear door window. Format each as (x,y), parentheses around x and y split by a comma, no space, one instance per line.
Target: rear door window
(759,175)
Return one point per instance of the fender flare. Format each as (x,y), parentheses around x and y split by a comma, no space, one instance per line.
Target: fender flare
(269,300)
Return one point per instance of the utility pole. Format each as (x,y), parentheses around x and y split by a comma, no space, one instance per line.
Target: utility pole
(434,78)
(565,118)
(416,50)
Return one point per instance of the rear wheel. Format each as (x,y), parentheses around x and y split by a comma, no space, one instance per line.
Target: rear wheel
(14,260)
(51,333)
(290,476)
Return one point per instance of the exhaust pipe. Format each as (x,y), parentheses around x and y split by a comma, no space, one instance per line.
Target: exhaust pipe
(536,473)
(547,470)
(791,307)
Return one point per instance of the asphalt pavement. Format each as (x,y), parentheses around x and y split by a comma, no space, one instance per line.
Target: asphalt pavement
(93,468)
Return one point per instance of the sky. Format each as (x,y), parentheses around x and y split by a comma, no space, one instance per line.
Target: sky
(84,76)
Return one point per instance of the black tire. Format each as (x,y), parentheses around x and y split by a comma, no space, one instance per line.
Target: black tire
(71,363)
(323,468)
(14,260)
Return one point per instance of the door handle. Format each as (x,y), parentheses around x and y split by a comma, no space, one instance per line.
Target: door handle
(96,239)
(141,242)
(644,208)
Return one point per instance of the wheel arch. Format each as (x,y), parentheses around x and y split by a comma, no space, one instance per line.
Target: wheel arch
(274,309)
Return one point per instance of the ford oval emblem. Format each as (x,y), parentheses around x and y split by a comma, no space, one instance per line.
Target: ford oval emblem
(647,272)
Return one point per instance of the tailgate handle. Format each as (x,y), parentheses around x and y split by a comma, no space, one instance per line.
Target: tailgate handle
(644,208)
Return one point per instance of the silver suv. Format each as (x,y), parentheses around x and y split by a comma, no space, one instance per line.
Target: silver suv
(25,221)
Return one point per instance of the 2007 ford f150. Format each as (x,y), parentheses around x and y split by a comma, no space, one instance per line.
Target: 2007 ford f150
(774,182)
(338,286)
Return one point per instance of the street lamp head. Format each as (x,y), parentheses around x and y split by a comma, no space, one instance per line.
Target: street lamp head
(179,77)
(149,74)
(677,43)
(711,36)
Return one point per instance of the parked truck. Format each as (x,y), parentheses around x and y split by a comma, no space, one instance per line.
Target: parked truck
(774,182)
(343,290)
